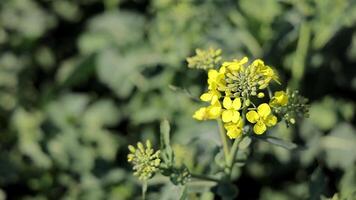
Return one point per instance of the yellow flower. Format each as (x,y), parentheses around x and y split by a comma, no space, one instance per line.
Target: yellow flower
(269,75)
(216,80)
(234,130)
(258,67)
(235,65)
(201,114)
(231,114)
(280,98)
(208,96)
(214,109)
(211,112)
(262,118)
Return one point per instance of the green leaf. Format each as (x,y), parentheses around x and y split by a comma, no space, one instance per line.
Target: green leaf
(277,141)
(76,74)
(339,146)
(347,185)
(167,152)
(184,91)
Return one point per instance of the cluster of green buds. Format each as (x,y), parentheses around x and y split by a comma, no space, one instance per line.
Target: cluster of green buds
(145,160)
(205,59)
(295,107)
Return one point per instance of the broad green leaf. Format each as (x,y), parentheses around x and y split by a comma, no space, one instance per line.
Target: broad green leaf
(340,147)
(347,185)
(277,141)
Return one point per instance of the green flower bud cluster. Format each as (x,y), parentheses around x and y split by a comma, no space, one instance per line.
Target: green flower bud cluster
(248,81)
(205,59)
(145,161)
(178,176)
(297,107)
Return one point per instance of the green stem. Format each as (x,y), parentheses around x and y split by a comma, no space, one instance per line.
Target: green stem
(233,152)
(223,139)
(235,145)
(144,189)
(269,92)
(204,177)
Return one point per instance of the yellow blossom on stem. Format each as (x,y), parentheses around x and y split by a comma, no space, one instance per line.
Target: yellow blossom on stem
(211,112)
(235,65)
(280,98)
(216,80)
(234,130)
(208,96)
(231,114)
(262,119)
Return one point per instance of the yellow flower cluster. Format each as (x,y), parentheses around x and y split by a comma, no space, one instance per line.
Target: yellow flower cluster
(232,90)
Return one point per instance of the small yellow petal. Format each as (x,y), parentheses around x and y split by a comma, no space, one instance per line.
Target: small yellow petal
(252,116)
(271,120)
(257,62)
(235,116)
(214,112)
(200,114)
(232,134)
(222,70)
(259,128)
(212,74)
(227,103)
(281,97)
(263,110)
(236,104)
(227,115)
(206,96)
(215,100)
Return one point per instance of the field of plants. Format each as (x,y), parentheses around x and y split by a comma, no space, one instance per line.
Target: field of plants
(81,80)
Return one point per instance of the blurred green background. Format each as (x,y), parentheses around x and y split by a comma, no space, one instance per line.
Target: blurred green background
(82,79)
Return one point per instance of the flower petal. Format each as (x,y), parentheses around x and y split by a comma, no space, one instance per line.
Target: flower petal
(213,74)
(227,116)
(234,133)
(200,114)
(252,116)
(206,96)
(271,120)
(215,101)
(263,110)
(235,116)
(236,104)
(227,103)
(259,128)
(214,112)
